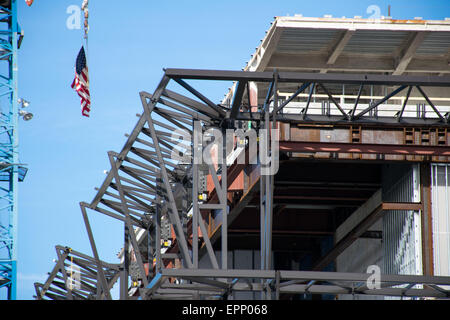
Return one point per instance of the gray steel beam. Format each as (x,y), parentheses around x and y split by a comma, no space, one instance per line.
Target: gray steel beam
(128,225)
(61,258)
(100,272)
(195,105)
(223,201)
(298,77)
(338,119)
(430,103)
(352,114)
(307,276)
(196,148)
(376,104)
(311,91)
(302,88)
(137,129)
(237,99)
(173,212)
(335,102)
(189,88)
(158,265)
(399,118)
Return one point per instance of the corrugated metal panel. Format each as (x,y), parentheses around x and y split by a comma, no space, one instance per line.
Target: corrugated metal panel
(436,43)
(305,40)
(441,218)
(402,229)
(375,42)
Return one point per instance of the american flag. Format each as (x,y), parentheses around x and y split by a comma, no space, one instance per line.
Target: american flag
(81,83)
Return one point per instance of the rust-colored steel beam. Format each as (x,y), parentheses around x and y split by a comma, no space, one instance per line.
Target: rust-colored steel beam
(402,206)
(306,146)
(427,223)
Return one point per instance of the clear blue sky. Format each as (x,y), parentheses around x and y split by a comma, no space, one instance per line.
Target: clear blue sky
(128,47)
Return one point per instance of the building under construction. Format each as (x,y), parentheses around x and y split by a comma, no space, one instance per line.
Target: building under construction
(348,174)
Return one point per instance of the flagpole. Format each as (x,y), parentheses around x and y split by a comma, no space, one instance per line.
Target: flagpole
(81,81)
(85,9)
(86,44)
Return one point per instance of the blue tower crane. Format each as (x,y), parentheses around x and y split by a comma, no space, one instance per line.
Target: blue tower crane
(11,171)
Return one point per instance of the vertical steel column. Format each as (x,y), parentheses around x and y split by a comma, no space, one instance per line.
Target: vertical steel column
(224,202)
(151,248)
(264,125)
(158,208)
(125,265)
(262,210)
(195,213)
(196,150)
(266,189)
(270,177)
(269,184)
(427,224)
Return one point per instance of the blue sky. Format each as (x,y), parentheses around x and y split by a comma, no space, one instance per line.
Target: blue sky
(128,47)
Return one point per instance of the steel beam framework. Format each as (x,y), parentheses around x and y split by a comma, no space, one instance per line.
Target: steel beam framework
(154,187)
(76,276)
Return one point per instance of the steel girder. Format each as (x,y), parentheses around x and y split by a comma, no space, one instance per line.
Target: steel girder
(156,196)
(76,277)
(204,282)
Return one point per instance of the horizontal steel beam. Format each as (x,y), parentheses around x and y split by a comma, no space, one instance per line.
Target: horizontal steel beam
(366,148)
(304,275)
(372,121)
(199,74)
(412,206)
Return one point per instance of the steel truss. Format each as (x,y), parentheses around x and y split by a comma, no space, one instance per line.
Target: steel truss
(160,198)
(82,270)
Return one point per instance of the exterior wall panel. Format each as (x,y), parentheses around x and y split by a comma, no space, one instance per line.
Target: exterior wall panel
(402,229)
(440,190)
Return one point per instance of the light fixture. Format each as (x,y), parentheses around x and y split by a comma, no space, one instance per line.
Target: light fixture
(24,103)
(26,115)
